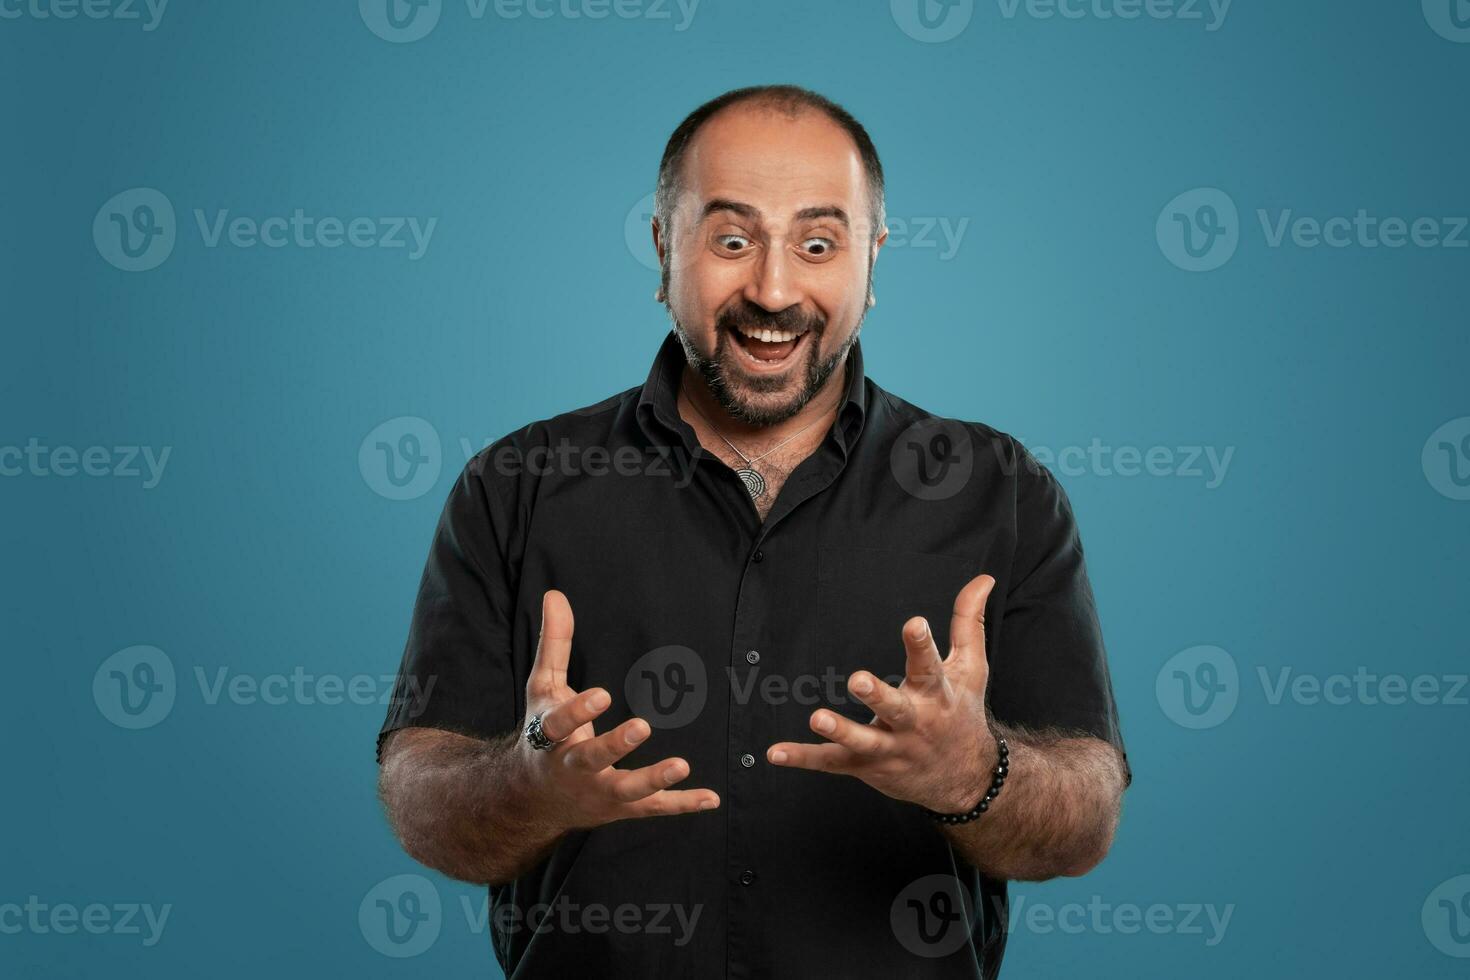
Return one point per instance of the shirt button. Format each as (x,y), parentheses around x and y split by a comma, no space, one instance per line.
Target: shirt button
(752,657)
(758,557)
(747,877)
(747,760)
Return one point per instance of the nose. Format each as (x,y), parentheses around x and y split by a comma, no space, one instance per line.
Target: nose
(774,285)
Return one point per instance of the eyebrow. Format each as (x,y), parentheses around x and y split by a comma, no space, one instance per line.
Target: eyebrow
(749,211)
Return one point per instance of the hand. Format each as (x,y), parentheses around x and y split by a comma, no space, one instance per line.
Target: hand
(576,779)
(928,742)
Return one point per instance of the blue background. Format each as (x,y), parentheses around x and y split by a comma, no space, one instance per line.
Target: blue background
(264,549)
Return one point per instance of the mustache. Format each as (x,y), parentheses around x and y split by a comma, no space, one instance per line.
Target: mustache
(747,314)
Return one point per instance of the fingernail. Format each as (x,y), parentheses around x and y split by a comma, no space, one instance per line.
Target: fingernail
(599,700)
(708,805)
(636,735)
(861,685)
(671,775)
(824,724)
(778,756)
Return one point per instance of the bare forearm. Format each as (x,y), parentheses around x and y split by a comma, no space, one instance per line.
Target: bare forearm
(457,806)
(1056,814)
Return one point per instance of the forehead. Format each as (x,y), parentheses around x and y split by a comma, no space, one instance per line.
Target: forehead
(775,162)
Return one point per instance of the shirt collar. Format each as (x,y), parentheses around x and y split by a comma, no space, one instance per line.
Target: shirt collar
(658,402)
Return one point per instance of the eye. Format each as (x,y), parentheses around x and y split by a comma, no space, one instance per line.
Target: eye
(818,248)
(733,243)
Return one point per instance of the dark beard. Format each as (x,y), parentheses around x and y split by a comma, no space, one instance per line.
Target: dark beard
(818,370)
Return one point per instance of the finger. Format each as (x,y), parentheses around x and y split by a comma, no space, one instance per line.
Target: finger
(667,802)
(889,705)
(629,787)
(967,628)
(862,740)
(554,648)
(922,667)
(596,754)
(561,721)
(830,757)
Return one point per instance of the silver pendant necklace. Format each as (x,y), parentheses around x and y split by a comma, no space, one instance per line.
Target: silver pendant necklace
(755,484)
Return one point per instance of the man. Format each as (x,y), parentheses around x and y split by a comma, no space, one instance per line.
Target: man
(764,749)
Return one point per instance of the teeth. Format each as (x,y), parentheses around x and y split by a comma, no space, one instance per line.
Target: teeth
(770,336)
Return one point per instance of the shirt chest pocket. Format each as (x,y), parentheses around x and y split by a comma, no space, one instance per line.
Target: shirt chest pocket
(864,597)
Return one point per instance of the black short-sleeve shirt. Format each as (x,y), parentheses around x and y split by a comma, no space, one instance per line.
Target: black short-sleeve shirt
(725,632)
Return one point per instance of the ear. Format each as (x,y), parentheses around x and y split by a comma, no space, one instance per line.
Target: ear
(872,262)
(659,296)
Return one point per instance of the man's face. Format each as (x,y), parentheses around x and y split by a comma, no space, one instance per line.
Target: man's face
(769,257)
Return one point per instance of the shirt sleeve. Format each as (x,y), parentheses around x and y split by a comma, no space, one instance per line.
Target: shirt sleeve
(1048,664)
(456,673)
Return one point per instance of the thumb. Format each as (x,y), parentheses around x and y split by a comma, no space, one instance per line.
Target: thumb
(554,648)
(967,626)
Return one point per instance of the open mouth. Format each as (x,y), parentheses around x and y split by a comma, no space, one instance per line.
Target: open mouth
(765,349)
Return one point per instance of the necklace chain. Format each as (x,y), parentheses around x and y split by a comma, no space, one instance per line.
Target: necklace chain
(749,462)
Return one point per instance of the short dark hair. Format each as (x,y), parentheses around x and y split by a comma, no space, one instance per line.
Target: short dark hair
(789,99)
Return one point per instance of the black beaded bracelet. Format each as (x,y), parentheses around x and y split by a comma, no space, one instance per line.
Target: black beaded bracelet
(1002,766)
